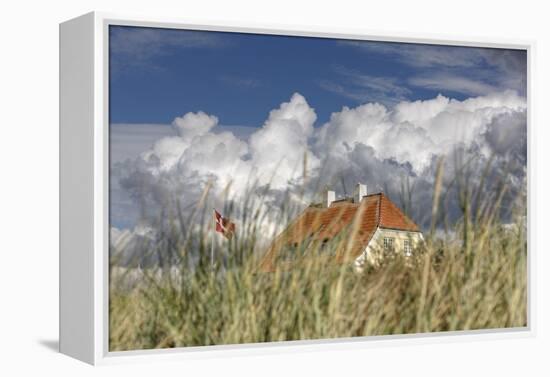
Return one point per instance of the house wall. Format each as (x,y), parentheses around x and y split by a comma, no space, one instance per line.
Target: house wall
(374,251)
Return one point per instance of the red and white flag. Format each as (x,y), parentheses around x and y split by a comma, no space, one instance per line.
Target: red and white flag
(224,225)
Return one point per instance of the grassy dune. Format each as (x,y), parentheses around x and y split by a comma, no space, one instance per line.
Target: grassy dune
(475,279)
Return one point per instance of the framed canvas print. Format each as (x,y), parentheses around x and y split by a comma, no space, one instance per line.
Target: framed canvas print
(232,189)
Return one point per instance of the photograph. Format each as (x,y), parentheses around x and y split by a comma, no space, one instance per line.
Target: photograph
(268,187)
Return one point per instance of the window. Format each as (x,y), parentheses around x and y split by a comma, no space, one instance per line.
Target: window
(388,243)
(407,249)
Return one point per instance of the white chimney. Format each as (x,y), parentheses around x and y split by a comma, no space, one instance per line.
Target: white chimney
(360,191)
(330,196)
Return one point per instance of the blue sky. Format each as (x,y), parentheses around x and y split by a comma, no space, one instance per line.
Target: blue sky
(178,97)
(158,74)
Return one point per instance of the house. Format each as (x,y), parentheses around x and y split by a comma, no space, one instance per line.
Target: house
(358,230)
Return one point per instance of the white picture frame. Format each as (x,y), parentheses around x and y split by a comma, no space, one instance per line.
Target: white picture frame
(84,174)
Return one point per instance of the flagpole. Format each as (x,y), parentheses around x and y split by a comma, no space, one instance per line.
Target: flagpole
(212,246)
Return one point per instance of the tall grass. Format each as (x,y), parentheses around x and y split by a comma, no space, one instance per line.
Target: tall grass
(475,279)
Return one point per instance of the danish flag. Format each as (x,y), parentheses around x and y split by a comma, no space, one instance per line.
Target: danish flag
(224,225)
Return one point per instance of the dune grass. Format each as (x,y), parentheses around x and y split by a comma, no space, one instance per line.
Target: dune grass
(476,278)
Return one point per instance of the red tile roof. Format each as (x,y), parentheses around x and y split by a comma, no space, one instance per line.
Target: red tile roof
(360,219)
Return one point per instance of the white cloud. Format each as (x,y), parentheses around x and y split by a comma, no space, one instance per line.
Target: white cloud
(467,70)
(413,132)
(370,143)
(130,140)
(366,88)
(278,148)
(138,45)
(203,151)
(194,124)
(453,83)
(419,55)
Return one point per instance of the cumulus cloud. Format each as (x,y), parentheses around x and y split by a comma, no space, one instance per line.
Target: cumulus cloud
(278,148)
(371,143)
(182,165)
(413,132)
(129,140)
(506,136)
